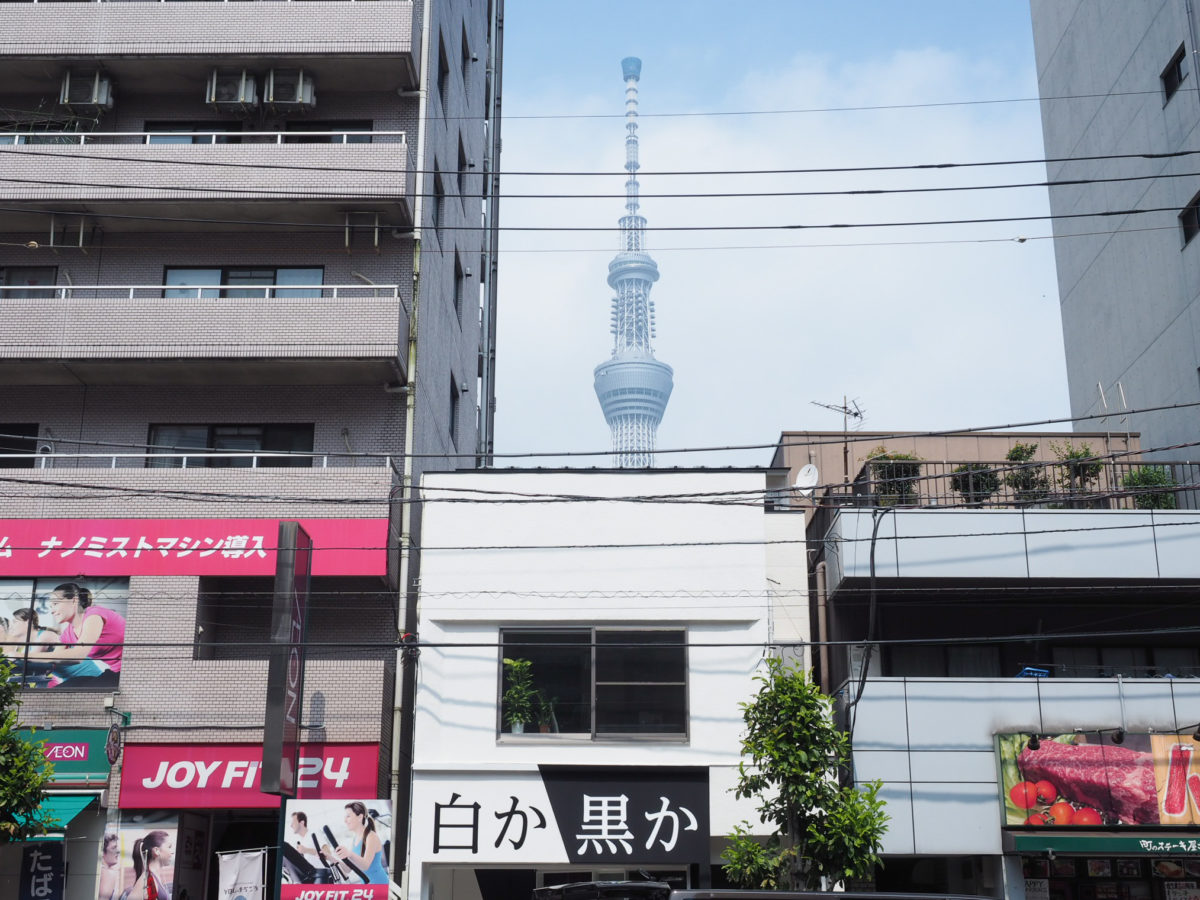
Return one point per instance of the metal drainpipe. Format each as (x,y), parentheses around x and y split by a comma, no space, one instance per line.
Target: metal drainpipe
(405,679)
(823,626)
(1191,21)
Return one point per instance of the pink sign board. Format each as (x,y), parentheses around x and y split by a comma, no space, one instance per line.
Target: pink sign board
(215,776)
(333,892)
(32,547)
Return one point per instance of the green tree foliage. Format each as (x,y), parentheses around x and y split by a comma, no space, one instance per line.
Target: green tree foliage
(24,770)
(791,757)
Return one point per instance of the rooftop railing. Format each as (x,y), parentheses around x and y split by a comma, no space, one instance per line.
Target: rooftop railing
(1097,482)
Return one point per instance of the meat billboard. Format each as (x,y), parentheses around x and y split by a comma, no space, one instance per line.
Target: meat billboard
(1100,779)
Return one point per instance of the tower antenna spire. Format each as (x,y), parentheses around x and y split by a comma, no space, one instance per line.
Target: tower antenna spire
(632,386)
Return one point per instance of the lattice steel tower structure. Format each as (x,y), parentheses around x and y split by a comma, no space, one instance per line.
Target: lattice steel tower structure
(633,387)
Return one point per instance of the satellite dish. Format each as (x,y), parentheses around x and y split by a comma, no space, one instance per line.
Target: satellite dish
(807,479)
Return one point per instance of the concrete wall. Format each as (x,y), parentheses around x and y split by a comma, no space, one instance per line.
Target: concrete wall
(932,743)
(1128,286)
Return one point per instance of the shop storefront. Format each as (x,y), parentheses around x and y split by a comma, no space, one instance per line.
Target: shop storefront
(201,806)
(1103,815)
(500,834)
(73,807)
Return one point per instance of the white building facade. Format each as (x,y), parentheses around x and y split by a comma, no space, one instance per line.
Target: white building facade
(642,624)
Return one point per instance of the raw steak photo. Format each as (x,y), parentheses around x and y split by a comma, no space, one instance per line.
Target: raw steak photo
(1115,780)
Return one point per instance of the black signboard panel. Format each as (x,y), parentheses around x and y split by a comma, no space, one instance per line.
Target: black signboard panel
(635,814)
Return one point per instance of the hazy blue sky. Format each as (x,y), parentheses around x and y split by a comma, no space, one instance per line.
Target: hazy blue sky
(927,327)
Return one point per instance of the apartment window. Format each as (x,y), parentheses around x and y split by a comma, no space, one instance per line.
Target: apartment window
(1174,74)
(462,170)
(465,64)
(460,288)
(604,682)
(27,282)
(20,439)
(438,206)
(443,75)
(1189,220)
(269,438)
(333,131)
(454,401)
(193,132)
(233,618)
(245,281)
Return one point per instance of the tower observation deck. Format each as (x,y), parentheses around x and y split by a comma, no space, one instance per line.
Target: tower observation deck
(632,386)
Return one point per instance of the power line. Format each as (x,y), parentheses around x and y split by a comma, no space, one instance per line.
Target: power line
(561,196)
(914,223)
(834,439)
(612,173)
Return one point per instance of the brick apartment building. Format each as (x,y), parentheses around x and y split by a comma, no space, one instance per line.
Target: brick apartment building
(247,275)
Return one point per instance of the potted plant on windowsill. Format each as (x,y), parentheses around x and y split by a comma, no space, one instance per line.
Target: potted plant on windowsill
(547,722)
(517,702)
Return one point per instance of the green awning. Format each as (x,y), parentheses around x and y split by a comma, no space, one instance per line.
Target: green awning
(63,808)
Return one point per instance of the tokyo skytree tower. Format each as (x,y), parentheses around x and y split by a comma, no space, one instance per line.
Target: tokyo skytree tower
(633,387)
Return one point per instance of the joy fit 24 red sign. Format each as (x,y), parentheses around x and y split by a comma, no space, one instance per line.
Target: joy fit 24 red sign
(216,776)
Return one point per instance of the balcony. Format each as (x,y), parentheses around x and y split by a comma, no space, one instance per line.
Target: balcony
(173,485)
(191,181)
(323,334)
(362,43)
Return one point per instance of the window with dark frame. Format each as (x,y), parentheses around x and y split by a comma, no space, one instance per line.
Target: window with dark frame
(453,423)
(176,132)
(438,211)
(604,682)
(1174,74)
(462,170)
(465,62)
(233,618)
(329,131)
(460,288)
(27,282)
(243,281)
(1189,220)
(18,438)
(443,76)
(269,438)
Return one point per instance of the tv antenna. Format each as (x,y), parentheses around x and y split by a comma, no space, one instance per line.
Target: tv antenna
(849,410)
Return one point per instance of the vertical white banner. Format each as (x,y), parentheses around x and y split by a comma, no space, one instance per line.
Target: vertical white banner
(241,876)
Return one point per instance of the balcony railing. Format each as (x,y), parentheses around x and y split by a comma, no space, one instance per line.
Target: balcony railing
(1109,482)
(184,138)
(195,459)
(176,1)
(358,327)
(110,293)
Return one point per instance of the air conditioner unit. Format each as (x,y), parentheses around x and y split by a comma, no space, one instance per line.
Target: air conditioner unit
(289,89)
(86,90)
(231,90)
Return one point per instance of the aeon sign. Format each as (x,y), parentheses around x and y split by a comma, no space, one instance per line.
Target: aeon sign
(66,752)
(217,776)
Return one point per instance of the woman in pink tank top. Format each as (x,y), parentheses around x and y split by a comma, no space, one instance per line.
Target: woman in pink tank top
(90,637)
